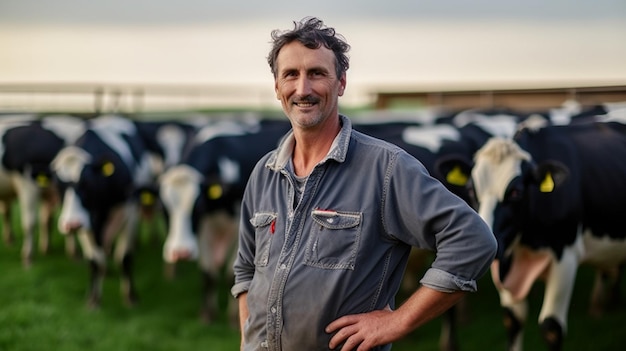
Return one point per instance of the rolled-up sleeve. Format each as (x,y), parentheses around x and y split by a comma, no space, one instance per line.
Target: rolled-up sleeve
(421,212)
(244,262)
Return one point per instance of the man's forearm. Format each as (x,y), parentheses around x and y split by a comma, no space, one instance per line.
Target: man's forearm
(426,304)
(243,313)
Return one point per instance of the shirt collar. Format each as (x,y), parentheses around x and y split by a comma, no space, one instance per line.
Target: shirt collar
(337,152)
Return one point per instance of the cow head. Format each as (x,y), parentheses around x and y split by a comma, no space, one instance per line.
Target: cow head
(68,166)
(87,184)
(506,182)
(187,196)
(179,189)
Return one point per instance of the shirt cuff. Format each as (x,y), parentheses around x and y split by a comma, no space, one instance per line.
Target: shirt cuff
(239,288)
(443,281)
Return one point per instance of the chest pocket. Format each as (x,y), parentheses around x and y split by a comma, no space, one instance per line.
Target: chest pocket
(334,239)
(263,223)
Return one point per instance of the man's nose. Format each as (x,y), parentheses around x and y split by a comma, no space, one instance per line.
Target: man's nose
(303,87)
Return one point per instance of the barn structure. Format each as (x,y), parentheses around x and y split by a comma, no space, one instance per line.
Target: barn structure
(521,99)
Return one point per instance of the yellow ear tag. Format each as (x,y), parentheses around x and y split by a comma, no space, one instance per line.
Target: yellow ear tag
(547,185)
(42,181)
(146,198)
(108,168)
(214,192)
(456,177)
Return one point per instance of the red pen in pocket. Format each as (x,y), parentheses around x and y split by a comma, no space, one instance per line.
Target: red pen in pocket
(273,227)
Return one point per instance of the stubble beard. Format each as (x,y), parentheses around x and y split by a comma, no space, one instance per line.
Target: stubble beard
(306,120)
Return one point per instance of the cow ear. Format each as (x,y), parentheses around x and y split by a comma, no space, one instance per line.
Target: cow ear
(454,170)
(550,175)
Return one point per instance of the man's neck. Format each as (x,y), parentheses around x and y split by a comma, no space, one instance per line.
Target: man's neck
(312,146)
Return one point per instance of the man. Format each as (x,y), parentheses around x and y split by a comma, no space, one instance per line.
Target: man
(329,217)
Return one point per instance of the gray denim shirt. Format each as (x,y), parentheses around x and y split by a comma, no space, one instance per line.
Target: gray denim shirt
(343,248)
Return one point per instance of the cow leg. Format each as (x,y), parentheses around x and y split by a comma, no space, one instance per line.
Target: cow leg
(210,273)
(447,338)
(606,290)
(233,306)
(514,330)
(96,279)
(28,197)
(169,270)
(127,286)
(50,203)
(70,247)
(227,227)
(455,316)
(45,220)
(151,219)
(124,250)
(69,240)
(7,229)
(416,264)
(552,333)
(556,300)
(515,314)
(598,294)
(97,263)
(615,291)
(216,242)
(27,248)
(127,280)
(208,307)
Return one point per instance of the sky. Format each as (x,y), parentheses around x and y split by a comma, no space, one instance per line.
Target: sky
(395,45)
(157,12)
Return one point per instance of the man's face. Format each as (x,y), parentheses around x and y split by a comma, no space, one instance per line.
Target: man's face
(307,84)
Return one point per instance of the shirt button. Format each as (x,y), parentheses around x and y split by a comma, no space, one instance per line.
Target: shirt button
(273,309)
(264,344)
(283,266)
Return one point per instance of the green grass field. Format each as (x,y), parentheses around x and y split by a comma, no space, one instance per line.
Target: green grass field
(43,308)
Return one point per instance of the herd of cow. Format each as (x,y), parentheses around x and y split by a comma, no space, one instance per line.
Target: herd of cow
(551,185)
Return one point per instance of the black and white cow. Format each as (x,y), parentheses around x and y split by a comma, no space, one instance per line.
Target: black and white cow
(165,140)
(98,177)
(7,190)
(202,196)
(29,144)
(554,198)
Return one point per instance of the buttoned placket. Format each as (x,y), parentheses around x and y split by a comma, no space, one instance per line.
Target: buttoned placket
(293,235)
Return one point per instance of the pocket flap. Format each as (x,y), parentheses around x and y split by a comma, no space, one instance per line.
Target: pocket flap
(262,219)
(336,219)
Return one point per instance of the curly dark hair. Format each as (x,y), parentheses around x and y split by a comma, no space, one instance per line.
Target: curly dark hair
(312,33)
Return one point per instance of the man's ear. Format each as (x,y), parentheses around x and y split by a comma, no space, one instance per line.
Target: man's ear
(342,84)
